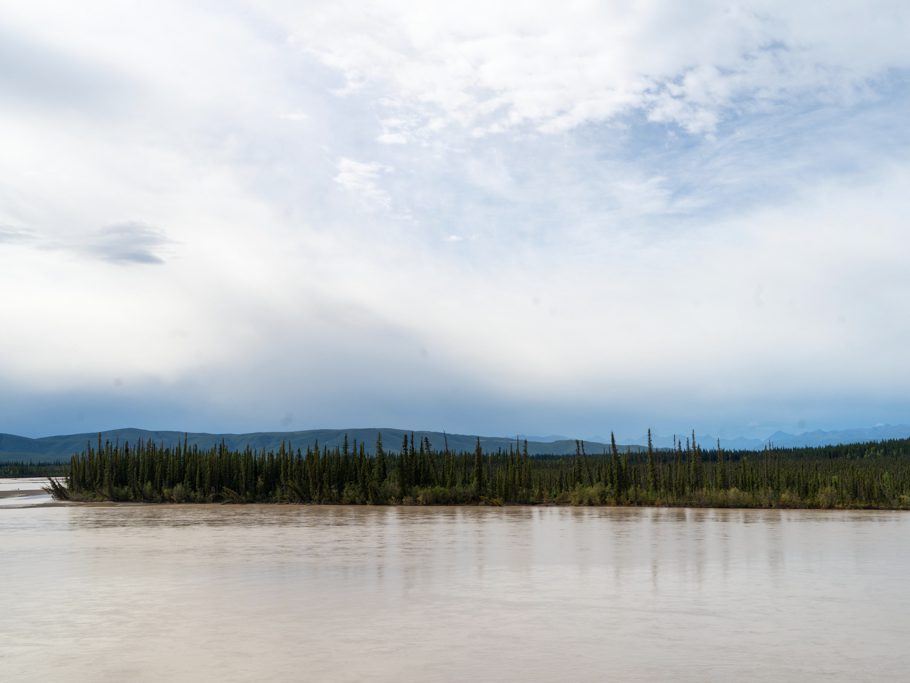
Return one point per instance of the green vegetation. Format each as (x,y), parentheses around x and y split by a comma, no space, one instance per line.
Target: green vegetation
(871,475)
(33,469)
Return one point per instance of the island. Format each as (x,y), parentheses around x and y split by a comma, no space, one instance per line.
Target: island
(872,475)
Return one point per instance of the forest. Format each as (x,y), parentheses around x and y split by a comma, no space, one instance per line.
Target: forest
(17,468)
(870,475)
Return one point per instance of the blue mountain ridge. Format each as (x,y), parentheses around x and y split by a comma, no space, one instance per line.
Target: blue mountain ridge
(59,448)
(782,439)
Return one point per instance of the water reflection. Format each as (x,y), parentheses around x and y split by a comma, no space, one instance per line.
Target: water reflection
(539,594)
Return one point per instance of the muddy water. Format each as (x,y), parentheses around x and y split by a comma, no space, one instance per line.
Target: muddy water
(286,593)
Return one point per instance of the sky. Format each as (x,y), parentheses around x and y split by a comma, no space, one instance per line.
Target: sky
(494,218)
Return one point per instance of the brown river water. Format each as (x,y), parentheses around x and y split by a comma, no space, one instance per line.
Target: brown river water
(288,593)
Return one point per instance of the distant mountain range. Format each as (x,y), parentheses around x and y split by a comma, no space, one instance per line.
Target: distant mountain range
(786,440)
(60,448)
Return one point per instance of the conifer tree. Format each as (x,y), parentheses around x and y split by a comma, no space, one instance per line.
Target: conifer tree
(721,471)
(652,468)
(379,460)
(478,469)
(617,469)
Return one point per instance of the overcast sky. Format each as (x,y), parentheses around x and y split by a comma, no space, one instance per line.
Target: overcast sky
(483,217)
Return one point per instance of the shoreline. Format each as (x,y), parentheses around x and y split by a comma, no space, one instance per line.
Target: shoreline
(9,496)
(129,503)
(21,492)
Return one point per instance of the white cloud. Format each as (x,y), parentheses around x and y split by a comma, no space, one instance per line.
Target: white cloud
(405,210)
(360,178)
(493,67)
(129,243)
(293,116)
(392,138)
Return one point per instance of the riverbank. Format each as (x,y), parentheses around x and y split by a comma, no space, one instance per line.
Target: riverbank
(17,493)
(26,492)
(692,505)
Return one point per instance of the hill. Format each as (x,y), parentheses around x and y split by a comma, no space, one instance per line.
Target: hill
(60,448)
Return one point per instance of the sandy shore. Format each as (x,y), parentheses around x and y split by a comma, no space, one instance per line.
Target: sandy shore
(22,492)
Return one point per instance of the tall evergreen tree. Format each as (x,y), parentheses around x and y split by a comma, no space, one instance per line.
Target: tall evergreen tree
(652,467)
(479,487)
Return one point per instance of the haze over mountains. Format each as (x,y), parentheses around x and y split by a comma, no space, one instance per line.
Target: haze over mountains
(61,447)
(782,439)
(53,448)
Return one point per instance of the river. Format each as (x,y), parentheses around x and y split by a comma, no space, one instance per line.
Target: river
(288,593)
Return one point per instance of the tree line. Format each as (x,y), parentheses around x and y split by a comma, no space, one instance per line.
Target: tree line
(20,468)
(870,475)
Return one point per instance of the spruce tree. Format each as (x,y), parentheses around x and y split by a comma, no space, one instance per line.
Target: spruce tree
(478,469)
(379,462)
(652,468)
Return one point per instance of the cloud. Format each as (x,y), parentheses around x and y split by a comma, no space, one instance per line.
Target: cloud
(128,243)
(54,77)
(293,116)
(122,243)
(492,68)
(496,217)
(11,235)
(360,179)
